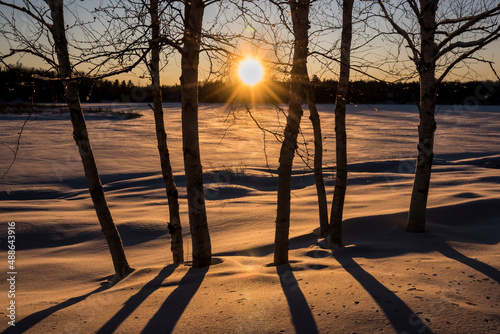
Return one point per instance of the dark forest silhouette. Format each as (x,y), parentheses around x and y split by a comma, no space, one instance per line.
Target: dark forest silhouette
(20,86)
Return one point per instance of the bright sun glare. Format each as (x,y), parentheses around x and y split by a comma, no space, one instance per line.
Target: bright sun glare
(250,72)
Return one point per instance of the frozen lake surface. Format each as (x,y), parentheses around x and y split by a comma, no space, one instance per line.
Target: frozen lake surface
(442,281)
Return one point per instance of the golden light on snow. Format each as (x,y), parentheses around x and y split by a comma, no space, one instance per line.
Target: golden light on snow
(250,71)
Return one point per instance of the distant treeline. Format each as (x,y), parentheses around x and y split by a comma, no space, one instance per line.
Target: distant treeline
(18,85)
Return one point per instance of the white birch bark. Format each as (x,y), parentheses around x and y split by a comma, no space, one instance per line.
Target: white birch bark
(300,20)
(340,127)
(174,226)
(427,126)
(80,135)
(202,249)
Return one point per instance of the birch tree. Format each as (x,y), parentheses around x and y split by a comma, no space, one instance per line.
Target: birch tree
(190,58)
(299,11)
(174,226)
(274,31)
(318,160)
(61,61)
(340,126)
(179,27)
(446,34)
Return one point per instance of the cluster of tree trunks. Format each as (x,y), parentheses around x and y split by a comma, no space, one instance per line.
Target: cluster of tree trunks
(425,57)
(425,60)
(194,174)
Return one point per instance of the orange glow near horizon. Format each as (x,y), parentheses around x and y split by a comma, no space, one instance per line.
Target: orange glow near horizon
(249,83)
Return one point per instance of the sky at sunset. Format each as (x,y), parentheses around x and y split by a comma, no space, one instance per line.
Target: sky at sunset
(363,55)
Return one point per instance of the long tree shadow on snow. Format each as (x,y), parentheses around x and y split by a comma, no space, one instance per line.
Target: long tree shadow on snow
(401,316)
(477,265)
(136,300)
(31,320)
(380,237)
(173,307)
(302,317)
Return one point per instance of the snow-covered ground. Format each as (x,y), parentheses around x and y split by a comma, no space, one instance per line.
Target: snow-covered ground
(385,280)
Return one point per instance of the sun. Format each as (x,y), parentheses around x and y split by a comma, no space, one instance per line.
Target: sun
(250,71)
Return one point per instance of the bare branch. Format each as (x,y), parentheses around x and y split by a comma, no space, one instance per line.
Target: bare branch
(28,51)
(460,44)
(470,22)
(466,18)
(493,69)
(27,12)
(465,56)
(402,32)
(351,66)
(18,144)
(414,7)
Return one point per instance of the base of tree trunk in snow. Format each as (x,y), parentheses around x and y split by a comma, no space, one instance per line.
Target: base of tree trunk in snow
(116,278)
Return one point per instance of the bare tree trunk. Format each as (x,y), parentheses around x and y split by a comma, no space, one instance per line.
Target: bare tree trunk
(202,249)
(300,20)
(427,126)
(174,226)
(80,135)
(340,128)
(467,30)
(318,161)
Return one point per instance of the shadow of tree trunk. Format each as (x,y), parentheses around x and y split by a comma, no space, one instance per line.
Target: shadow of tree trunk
(401,316)
(302,317)
(35,318)
(173,307)
(482,267)
(136,300)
